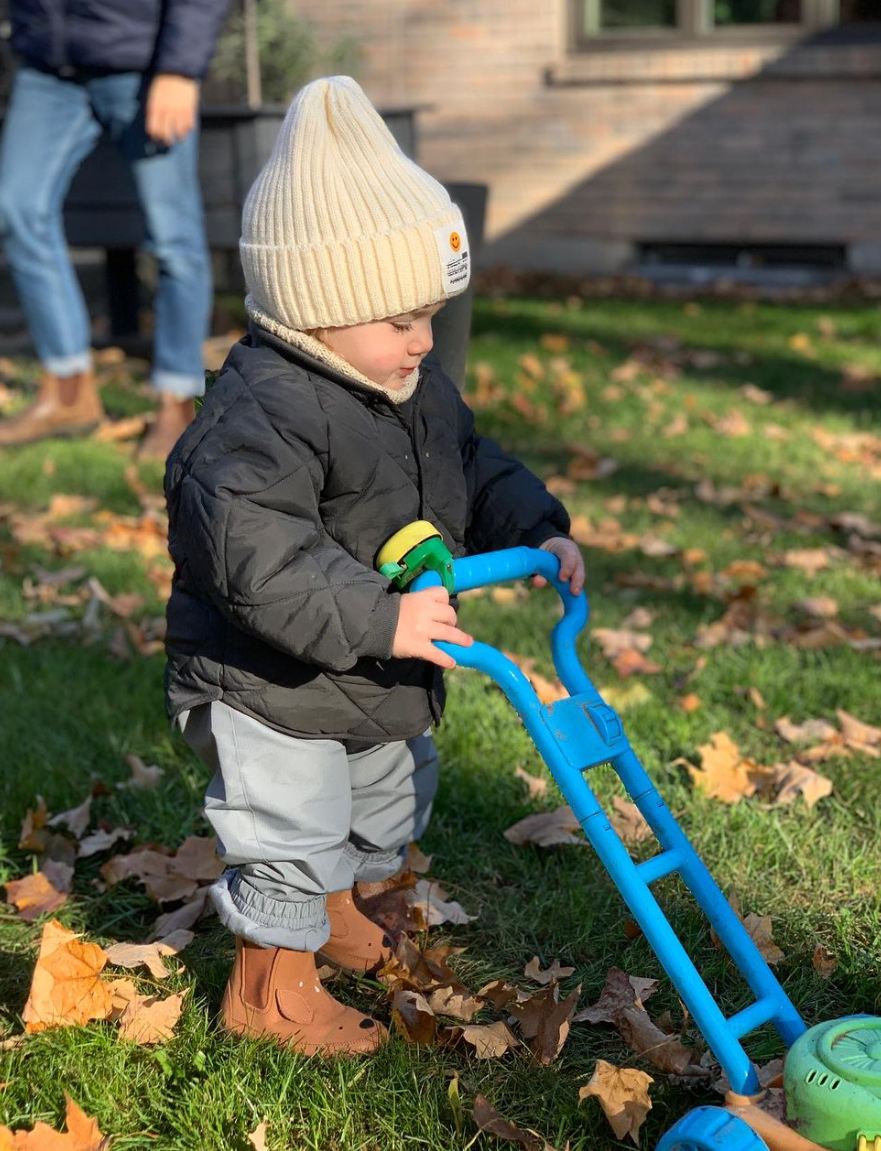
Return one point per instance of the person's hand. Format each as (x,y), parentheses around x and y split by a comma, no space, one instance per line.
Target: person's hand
(571,563)
(172,108)
(427,616)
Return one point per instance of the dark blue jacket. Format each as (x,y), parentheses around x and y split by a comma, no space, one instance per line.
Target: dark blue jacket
(63,36)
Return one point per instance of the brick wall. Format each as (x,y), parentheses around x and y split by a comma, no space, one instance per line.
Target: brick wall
(587,154)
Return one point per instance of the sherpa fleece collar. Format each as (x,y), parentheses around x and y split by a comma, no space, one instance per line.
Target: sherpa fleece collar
(321,352)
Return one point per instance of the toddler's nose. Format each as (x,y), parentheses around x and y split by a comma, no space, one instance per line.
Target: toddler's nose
(422,343)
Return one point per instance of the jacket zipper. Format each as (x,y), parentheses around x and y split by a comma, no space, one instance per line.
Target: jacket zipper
(59,56)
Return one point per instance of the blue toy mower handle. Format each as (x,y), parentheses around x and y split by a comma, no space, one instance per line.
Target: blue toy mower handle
(501,567)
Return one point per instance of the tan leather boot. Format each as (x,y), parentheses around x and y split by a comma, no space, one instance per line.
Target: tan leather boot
(276,993)
(356,943)
(173,417)
(65,406)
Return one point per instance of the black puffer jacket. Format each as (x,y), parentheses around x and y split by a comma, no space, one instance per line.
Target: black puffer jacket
(280,495)
(65,36)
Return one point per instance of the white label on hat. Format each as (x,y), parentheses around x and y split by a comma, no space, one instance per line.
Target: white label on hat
(452,244)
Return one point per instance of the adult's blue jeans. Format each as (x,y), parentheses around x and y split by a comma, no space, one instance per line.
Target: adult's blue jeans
(51,125)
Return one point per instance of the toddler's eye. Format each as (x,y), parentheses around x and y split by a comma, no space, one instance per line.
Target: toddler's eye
(403,327)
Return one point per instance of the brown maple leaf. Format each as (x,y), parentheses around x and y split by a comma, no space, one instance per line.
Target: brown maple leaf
(546,829)
(488,1119)
(149,955)
(44,891)
(83,1134)
(413,1017)
(555,972)
(66,987)
(151,1019)
(623,1094)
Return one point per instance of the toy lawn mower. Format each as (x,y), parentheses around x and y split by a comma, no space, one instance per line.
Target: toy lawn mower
(832,1072)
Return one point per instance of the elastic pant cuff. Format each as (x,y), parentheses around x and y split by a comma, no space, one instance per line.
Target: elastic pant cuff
(297,924)
(373,866)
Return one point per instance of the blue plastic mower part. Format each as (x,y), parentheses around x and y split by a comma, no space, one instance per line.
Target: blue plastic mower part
(711,1129)
(582,731)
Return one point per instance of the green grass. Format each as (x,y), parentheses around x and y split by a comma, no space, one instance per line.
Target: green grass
(71,712)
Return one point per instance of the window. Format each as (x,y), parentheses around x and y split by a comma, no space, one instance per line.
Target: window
(622,14)
(728,12)
(607,23)
(860,11)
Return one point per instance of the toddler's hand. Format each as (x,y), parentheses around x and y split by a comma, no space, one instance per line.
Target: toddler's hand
(427,616)
(571,563)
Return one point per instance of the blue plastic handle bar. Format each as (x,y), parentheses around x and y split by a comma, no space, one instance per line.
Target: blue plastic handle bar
(580,732)
(501,567)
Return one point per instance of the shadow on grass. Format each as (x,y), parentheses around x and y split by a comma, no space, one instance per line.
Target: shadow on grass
(787,377)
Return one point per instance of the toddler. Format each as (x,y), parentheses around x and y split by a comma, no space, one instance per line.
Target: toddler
(296,671)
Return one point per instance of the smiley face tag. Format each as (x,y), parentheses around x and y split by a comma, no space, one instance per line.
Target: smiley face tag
(455,256)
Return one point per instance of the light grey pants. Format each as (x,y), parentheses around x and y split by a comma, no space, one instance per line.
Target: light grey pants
(298,818)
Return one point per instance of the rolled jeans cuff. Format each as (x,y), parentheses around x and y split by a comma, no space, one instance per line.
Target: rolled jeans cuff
(373,866)
(178,384)
(64,366)
(297,924)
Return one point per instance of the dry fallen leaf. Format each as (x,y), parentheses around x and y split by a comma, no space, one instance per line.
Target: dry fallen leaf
(794,779)
(689,703)
(554,973)
(149,955)
(82,1134)
(547,690)
(623,1093)
(758,927)
(101,840)
(629,821)
(416,860)
(489,1040)
(614,641)
(184,917)
(724,773)
(824,962)
(428,898)
(76,820)
(536,786)
(413,1018)
(257,1137)
(122,992)
(547,829)
(142,778)
(151,1019)
(66,987)
(32,836)
(631,662)
(806,732)
(662,1049)
(620,991)
(488,1119)
(857,733)
(545,1020)
(43,891)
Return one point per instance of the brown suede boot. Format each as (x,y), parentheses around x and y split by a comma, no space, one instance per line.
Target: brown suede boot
(173,417)
(65,406)
(275,992)
(356,943)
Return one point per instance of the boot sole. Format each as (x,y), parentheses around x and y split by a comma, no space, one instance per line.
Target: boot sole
(241,1031)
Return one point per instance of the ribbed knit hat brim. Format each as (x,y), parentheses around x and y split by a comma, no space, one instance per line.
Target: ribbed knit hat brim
(341,227)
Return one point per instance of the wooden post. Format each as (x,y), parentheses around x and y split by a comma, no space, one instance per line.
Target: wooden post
(252,54)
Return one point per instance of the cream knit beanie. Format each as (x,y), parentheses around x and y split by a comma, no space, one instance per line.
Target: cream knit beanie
(341,227)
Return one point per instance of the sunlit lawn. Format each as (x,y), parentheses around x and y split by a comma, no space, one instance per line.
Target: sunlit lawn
(70,712)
